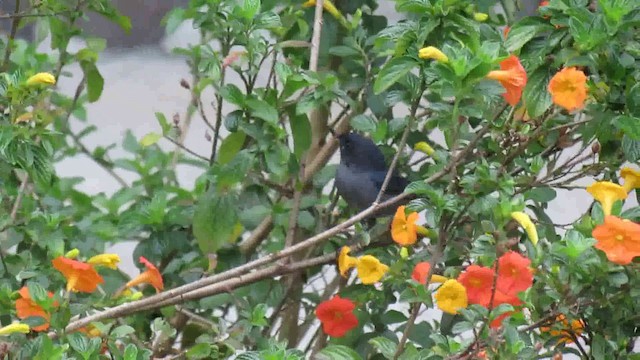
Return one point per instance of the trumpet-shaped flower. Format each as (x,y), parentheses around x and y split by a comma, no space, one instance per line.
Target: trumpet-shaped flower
(631,178)
(403,227)
(478,280)
(336,316)
(42,78)
(346,262)
(370,269)
(514,273)
(525,221)
(26,307)
(80,276)
(451,297)
(421,272)
(568,88)
(433,53)
(16,327)
(563,329)
(618,238)
(607,193)
(513,78)
(150,276)
(109,260)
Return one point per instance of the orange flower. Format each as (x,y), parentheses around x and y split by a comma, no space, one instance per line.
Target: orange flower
(336,316)
(514,274)
(80,276)
(26,307)
(150,276)
(421,271)
(565,329)
(512,76)
(618,238)
(403,228)
(478,280)
(505,31)
(568,88)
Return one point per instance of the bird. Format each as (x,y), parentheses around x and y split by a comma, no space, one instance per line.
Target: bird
(362,171)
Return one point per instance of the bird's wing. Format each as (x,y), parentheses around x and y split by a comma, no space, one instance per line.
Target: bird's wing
(396,185)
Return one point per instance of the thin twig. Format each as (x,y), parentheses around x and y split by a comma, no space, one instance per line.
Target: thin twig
(14,29)
(183,147)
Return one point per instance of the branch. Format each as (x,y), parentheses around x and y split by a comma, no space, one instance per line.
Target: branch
(14,29)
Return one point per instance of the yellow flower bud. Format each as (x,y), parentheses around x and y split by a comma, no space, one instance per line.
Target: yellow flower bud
(424,148)
(529,227)
(42,78)
(480,17)
(72,254)
(109,260)
(422,230)
(24,117)
(136,296)
(433,53)
(16,327)
(404,252)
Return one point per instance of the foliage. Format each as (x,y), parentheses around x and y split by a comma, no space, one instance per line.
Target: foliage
(247,254)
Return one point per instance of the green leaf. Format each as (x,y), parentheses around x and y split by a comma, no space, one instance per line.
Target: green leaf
(150,139)
(301,131)
(259,315)
(541,194)
(249,8)
(130,352)
(535,95)
(263,110)
(576,244)
(162,121)
(629,125)
(631,148)
(95,82)
(523,31)
(386,347)
(173,19)
(122,331)
(230,146)
(364,123)
(393,71)
(338,352)
(199,351)
(214,220)
(232,94)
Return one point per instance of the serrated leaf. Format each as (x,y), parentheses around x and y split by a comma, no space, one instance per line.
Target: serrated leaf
(631,148)
(249,8)
(393,71)
(232,94)
(230,146)
(386,347)
(363,123)
(338,352)
(214,220)
(535,95)
(629,125)
(263,110)
(150,139)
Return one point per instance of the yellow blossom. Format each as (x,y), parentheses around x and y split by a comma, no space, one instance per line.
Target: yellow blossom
(72,254)
(404,252)
(16,327)
(431,52)
(480,17)
(42,78)
(423,147)
(525,221)
(346,262)
(451,296)
(606,193)
(109,260)
(631,178)
(328,7)
(370,269)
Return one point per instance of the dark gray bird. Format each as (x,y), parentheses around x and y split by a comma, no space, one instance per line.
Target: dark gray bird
(361,173)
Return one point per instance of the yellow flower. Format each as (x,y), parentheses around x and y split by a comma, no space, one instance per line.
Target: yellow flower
(433,53)
(109,260)
(403,228)
(424,148)
(451,296)
(370,269)
(329,7)
(346,262)
(480,17)
(24,117)
(42,78)
(568,88)
(606,193)
(72,254)
(525,221)
(16,327)
(631,178)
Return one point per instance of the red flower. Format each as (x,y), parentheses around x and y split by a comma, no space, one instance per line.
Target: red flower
(478,280)
(80,276)
(336,316)
(421,271)
(513,78)
(497,322)
(26,307)
(514,274)
(150,276)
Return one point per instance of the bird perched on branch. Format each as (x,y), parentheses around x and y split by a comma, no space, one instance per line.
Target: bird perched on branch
(361,174)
